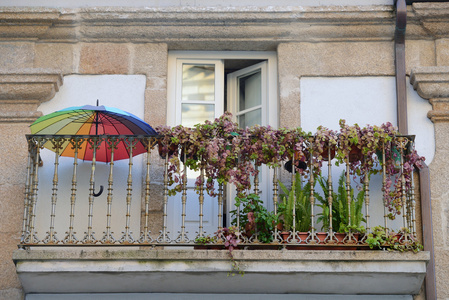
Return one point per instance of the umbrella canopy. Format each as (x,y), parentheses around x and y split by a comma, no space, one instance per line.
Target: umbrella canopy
(92,121)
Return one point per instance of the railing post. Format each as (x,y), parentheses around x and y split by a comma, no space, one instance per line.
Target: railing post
(220,206)
(275,202)
(350,237)
(201,202)
(182,238)
(413,207)
(145,235)
(27,200)
(293,182)
(31,237)
(256,192)
(163,236)
(330,198)
(112,143)
(401,143)
(94,143)
(367,200)
(130,143)
(313,238)
(51,234)
(76,143)
(384,186)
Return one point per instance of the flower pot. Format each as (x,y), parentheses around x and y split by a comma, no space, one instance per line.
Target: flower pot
(325,153)
(285,235)
(395,156)
(249,229)
(350,241)
(355,154)
(172,149)
(303,237)
(321,237)
(300,166)
(188,156)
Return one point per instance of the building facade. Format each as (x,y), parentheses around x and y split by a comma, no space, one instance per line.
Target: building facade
(312,63)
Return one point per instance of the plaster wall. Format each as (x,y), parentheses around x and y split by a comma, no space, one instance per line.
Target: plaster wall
(122,91)
(364,100)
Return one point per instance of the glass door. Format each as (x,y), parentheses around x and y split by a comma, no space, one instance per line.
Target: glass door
(199,97)
(247,101)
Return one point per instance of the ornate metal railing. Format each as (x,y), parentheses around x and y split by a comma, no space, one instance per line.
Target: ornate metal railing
(153,183)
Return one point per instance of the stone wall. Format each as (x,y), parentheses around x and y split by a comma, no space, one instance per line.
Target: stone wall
(32,74)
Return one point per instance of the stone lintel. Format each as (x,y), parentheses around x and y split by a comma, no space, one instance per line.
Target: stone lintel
(432,10)
(21,92)
(432,83)
(198,26)
(433,18)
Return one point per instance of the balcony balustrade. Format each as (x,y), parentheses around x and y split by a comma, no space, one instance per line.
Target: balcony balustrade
(63,199)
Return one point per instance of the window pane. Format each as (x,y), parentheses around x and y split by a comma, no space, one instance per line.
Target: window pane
(193,114)
(198,82)
(250,118)
(250,91)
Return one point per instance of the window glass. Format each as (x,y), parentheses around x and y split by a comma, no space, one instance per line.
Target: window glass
(198,82)
(192,114)
(250,118)
(250,90)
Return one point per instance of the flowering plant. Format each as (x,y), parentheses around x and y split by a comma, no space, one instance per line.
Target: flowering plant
(231,238)
(215,148)
(224,153)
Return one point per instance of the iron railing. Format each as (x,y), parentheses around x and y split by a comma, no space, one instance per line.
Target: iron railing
(77,195)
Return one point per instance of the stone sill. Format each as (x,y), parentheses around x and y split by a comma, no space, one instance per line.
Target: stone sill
(205,271)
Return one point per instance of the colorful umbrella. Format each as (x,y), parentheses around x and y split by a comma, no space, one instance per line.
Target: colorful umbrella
(91,120)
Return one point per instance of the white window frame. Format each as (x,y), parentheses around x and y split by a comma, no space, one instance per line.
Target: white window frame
(176,57)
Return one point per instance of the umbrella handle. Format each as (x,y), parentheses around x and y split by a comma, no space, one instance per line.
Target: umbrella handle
(99,192)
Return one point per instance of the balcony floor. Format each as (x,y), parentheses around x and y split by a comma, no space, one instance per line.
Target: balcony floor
(128,270)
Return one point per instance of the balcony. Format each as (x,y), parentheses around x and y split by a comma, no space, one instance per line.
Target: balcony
(151,231)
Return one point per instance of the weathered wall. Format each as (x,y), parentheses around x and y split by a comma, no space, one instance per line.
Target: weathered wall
(20,95)
(310,43)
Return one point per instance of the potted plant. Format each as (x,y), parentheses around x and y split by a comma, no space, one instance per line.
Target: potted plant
(258,223)
(341,209)
(380,238)
(296,199)
(231,238)
(214,147)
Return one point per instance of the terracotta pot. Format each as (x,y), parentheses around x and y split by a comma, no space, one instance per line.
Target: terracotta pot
(284,235)
(249,229)
(172,149)
(279,226)
(325,153)
(321,236)
(340,237)
(355,154)
(303,236)
(354,240)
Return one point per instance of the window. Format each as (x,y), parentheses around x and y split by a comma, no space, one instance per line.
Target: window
(201,86)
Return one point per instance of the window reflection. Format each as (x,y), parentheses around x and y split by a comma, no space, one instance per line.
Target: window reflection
(250,91)
(192,114)
(198,82)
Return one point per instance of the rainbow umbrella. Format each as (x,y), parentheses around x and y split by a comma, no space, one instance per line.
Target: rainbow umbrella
(92,120)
